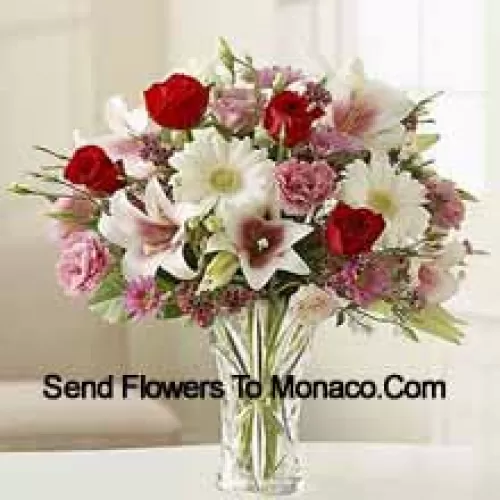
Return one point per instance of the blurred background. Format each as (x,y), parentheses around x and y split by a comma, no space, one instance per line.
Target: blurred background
(61,59)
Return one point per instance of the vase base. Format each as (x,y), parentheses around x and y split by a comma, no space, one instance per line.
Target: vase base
(275,487)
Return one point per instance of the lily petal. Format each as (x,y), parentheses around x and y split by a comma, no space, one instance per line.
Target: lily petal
(291,262)
(294,232)
(122,121)
(175,264)
(257,277)
(135,264)
(112,231)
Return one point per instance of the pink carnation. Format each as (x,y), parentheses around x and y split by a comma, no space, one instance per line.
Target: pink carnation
(303,186)
(142,297)
(445,204)
(435,283)
(237,109)
(450,214)
(83,262)
(79,211)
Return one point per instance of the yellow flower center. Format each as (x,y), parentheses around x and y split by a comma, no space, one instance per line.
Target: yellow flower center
(225,179)
(382,202)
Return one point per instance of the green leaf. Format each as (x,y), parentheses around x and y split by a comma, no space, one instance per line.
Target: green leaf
(466,196)
(226,56)
(165,282)
(110,310)
(426,141)
(448,317)
(107,301)
(409,332)
(111,287)
(170,311)
(381,307)
(436,321)
(64,216)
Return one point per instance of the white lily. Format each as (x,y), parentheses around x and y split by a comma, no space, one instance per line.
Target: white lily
(367,111)
(122,144)
(262,246)
(154,237)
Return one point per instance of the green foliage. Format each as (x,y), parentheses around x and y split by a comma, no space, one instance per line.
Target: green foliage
(433,319)
(111,310)
(437,321)
(170,311)
(107,300)
(466,196)
(426,141)
(64,216)
(226,56)
(165,282)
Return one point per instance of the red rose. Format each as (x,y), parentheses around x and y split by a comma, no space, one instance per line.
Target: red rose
(179,102)
(293,113)
(90,166)
(351,231)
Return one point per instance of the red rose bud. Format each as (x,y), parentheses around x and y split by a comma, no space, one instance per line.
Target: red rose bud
(292,113)
(178,103)
(90,166)
(351,231)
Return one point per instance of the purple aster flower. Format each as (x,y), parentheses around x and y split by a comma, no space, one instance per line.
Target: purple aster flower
(143,298)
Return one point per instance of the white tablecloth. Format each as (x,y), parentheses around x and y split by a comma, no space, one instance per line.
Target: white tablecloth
(335,471)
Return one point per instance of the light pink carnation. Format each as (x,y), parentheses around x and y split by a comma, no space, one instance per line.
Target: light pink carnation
(445,204)
(237,109)
(435,284)
(450,214)
(83,262)
(80,210)
(303,186)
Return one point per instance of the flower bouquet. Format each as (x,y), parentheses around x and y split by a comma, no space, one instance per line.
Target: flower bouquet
(260,201)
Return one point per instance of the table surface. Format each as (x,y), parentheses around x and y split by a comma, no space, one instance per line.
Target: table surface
(335,471)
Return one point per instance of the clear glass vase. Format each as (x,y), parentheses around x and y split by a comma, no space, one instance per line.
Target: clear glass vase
(260,352)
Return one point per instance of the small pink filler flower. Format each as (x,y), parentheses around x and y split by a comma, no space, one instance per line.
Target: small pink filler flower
(83,262)
(304,186)
(445,204)
(143,297)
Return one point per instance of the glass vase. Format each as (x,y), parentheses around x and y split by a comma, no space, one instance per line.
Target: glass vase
(260,353)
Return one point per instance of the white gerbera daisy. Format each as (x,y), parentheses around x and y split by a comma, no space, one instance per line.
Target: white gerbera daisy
(229,174)
(396,196)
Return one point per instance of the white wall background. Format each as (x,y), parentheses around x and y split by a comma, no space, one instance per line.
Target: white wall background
(61,59)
